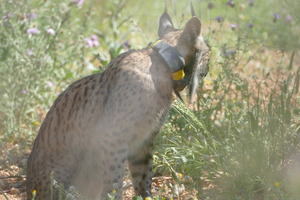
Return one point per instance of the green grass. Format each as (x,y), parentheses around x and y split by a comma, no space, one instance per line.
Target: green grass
(243,151)
(235,145)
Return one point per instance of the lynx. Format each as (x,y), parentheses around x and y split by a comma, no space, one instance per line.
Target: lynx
(105,120)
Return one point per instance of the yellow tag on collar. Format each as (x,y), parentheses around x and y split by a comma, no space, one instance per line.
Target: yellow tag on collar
(155,43)
(179,75)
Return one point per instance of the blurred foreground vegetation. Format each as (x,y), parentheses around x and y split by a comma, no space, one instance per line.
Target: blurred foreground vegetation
(240,141)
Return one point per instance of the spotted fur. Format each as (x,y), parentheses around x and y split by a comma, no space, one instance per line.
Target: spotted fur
(103,120)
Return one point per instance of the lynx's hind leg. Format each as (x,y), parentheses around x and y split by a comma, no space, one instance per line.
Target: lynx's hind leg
(140,165)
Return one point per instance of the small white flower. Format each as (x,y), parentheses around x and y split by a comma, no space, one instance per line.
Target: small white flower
(50,31)
(79,3)
(50,84)
(29,52)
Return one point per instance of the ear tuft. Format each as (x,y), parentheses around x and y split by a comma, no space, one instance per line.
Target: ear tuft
(193,10)
(165,25)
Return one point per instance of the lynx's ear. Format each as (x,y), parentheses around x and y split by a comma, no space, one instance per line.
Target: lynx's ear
(191,32)
(165,25)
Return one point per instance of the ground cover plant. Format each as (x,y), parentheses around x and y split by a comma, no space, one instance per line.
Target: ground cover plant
(241,138)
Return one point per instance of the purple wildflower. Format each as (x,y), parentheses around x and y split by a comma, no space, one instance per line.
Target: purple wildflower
(230,3)
(230,53)
(210,5)
(50,31)
(233,26)
(276,17)
(126,45)
(96,43)
(289,18)
(92,41)
(95,40)
(79,3)
(33,31)
(219,19)
(94,37)
(88,42)
(7,16)
(24,92)
(31,16)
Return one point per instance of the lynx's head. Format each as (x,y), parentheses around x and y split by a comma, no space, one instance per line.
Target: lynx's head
(191,47)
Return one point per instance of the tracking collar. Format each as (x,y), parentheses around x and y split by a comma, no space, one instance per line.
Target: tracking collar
(175,62)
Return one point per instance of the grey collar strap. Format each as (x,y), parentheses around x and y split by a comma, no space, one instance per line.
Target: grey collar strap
(175,62)
(170,55)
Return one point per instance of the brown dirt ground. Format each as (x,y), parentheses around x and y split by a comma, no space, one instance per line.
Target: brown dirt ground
(13,188)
